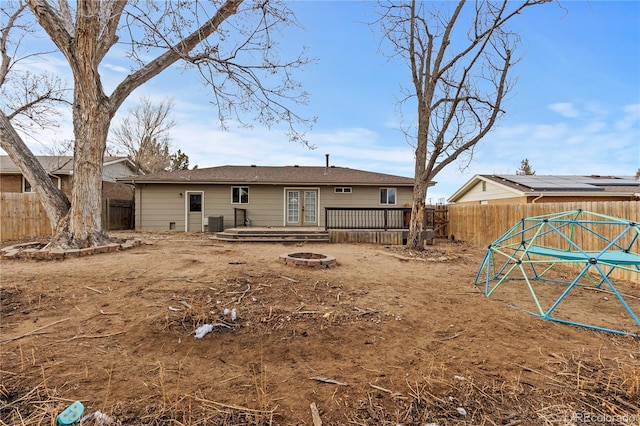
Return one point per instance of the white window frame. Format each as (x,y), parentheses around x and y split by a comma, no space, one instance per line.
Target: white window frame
(395,197)
(239,188)
(25,182)
(342,190)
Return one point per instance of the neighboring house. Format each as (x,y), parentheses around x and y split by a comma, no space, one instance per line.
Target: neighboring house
(270,196)
(504,189)
(60,168)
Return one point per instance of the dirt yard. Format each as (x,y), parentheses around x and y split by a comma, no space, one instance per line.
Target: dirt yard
(376,340)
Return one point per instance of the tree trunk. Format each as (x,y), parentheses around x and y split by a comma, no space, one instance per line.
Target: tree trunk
(416,226)
(55,203)
(421,183)
(91,121)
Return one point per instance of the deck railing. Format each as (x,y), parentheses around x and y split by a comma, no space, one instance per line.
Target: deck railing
(366,218)
(373,218)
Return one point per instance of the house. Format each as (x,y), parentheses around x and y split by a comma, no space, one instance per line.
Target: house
(60,168)
(286,196)
(523,189)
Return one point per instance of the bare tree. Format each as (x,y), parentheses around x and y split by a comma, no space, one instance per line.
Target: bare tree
(459,57)
(27,102)
(143,135)
(230,43)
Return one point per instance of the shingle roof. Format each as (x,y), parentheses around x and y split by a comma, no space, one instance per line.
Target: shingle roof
(53,164)
(274,175)
(559,183)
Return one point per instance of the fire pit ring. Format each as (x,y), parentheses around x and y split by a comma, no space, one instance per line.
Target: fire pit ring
(308,260)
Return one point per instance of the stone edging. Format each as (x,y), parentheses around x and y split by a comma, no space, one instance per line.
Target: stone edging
(34,250)
(309,260)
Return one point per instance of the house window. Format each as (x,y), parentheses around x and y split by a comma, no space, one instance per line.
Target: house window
(240,195)
(195,202)
(342,190)
(484,186)
(387,195)
(26,186)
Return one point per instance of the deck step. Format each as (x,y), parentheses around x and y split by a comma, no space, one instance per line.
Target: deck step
(268,235)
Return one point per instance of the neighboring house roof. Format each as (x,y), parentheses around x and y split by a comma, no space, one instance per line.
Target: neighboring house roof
(289,175)
(557,185)
(58,164)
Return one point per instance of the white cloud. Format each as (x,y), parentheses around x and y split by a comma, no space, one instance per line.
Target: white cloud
(566,109)
(629,118)
(115,68)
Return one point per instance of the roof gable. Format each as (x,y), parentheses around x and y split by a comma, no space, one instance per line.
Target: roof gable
(57,164)
(522,185)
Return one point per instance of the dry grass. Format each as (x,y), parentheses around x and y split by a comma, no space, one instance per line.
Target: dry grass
(577,388)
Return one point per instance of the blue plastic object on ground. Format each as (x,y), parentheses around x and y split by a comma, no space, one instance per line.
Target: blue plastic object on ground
(71,414)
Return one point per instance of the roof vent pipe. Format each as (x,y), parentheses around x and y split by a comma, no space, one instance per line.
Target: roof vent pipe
(326,168)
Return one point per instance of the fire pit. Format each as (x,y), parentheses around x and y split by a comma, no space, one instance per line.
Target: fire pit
(308,260)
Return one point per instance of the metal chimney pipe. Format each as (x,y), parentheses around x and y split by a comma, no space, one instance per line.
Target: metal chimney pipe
(326,168)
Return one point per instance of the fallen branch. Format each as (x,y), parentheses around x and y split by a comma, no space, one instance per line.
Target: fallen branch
(235,407)
(95,336)
(602,290)
(331,381)
(394,394)
(367,311)
(397,256)
(93,289)
(315,414)
(380,388)
(452,337)
(32,332)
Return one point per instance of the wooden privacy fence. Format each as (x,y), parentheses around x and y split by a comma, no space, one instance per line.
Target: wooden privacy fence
(117,214)
(22,216)
(481,225)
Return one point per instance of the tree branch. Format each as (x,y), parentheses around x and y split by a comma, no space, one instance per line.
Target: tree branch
(181,49)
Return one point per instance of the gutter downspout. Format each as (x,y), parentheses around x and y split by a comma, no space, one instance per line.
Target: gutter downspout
(537,198)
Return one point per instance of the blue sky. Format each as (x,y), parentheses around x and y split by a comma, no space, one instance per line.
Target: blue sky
(575,109)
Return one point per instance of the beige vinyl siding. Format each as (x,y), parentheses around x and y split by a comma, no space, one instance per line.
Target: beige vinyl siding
(364,196)
(157,205)
(493,192)
(265,208)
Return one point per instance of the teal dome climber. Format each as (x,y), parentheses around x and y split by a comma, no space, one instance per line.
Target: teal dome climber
(578,267)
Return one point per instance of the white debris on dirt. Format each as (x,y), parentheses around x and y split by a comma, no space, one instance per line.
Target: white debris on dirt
(204,330)
(98,418)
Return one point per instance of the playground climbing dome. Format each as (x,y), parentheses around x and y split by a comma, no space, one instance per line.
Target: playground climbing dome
(578,267)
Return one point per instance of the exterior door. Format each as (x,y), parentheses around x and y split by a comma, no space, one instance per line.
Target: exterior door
(194,211)
(302,207)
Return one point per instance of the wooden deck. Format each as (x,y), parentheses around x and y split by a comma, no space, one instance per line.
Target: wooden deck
(273,234)
(311,235)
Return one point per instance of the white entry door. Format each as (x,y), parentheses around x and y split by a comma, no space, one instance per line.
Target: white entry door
(302,207)
(194,211)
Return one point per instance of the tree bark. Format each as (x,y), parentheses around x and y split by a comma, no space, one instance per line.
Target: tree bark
(55,203)
(85,43)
